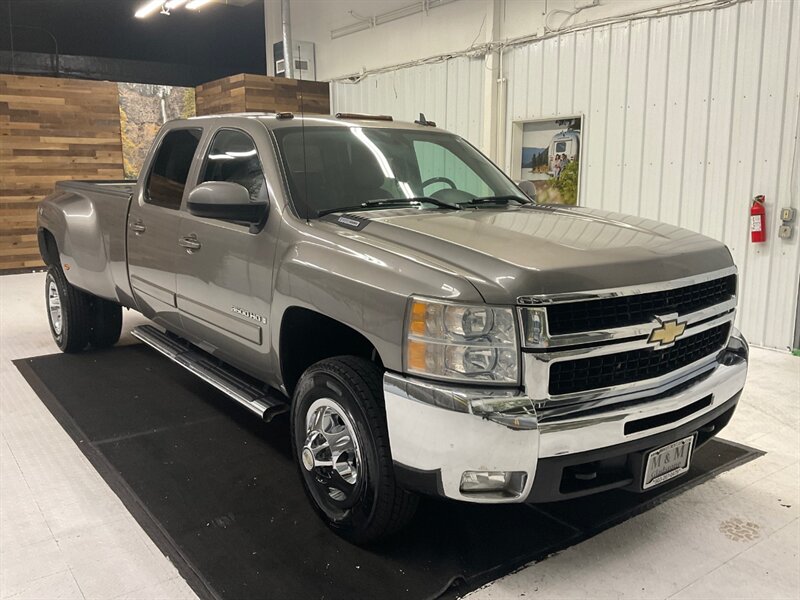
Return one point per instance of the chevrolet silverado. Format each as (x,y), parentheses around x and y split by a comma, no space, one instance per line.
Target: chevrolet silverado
(428,327)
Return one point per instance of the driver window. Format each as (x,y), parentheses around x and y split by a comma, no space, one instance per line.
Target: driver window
(436,161)
(233,157)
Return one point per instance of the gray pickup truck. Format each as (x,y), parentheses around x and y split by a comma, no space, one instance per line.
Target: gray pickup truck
(428,327)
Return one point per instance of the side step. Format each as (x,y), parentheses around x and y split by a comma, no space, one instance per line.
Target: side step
(228,380)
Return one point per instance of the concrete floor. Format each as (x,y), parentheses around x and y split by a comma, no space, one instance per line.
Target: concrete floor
(64,533)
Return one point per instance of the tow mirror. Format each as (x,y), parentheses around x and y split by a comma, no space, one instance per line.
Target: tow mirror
(225,200)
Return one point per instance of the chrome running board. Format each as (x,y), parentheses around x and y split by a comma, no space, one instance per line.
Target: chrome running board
(236,385)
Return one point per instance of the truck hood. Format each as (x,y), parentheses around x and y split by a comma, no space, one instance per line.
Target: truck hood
(516,251)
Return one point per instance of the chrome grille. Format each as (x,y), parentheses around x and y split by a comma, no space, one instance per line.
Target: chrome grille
(605,362)
(609,370)
(573,317)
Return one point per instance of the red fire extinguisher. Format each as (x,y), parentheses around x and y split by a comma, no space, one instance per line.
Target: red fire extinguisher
(758,225)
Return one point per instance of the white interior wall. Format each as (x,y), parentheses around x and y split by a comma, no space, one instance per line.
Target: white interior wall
(448,28)
(446,92)
(687,117)
(453,26)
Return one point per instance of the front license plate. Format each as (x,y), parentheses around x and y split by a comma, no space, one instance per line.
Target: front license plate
(668,462)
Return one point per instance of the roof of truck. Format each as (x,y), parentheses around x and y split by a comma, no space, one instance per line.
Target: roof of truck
(280,120)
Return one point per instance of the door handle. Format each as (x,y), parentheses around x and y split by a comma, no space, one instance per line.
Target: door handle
(138,227)
(190,243)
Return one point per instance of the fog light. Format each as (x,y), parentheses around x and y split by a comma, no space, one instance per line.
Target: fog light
(505,483)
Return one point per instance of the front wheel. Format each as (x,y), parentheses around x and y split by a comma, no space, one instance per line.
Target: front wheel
(341,441)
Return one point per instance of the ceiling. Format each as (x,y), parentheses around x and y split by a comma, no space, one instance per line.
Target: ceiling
(222,33)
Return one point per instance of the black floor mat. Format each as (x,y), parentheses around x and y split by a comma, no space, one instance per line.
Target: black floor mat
(218,492)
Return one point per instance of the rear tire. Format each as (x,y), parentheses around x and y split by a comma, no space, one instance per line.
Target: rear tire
(338,404)
(106,323)
(78,319)
(68,311)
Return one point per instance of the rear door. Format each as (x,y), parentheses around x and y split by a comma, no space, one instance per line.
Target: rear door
(153,224)
(225,280)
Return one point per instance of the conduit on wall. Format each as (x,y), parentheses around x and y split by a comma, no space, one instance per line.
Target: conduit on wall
(363,22)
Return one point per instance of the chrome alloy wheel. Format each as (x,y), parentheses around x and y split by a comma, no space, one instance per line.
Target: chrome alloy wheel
(331,452)
(54,306)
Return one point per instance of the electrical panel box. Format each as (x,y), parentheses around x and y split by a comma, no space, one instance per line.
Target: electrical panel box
(304,60)
(787,215)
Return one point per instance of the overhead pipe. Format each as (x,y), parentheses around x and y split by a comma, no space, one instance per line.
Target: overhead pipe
(288,54)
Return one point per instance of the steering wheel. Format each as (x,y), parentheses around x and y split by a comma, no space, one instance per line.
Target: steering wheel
(433,180)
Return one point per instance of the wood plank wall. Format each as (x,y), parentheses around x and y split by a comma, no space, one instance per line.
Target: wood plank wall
(221,96)
(51,129)
(259,93)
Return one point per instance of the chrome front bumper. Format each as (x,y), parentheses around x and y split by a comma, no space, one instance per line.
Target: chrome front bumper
(440,431)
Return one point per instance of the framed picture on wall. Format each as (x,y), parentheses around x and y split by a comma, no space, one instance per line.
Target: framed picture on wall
(143,109)
(547,153)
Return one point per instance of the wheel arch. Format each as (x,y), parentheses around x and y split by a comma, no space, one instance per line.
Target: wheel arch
(308,336)
(48,247)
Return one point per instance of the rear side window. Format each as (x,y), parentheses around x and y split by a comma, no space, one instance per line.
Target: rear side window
(233,157)
(171,166)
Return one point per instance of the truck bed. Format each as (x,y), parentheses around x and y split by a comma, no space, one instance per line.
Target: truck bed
(109,187)
(94,246)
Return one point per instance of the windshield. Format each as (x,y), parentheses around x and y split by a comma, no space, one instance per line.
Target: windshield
(343,167)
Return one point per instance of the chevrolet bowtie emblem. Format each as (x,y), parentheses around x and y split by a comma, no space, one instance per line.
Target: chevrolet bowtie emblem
(667,332)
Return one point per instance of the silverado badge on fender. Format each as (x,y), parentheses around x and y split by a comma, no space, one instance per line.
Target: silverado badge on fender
(667,332)
(248,314)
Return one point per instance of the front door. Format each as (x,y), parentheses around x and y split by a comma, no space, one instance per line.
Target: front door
(153,224)
(224,283)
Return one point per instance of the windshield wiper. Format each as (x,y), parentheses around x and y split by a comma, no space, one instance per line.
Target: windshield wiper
(497,200)
(389,203)
(431,200)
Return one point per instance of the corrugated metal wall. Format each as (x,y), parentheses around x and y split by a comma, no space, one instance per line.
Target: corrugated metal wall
(686,117)
(451,93)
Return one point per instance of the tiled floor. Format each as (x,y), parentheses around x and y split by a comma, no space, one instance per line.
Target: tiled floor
(64,534)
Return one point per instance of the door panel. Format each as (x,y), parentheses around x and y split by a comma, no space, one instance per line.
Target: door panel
(151,262)
(224,286)
(153,224)
(224,291)
(232,322)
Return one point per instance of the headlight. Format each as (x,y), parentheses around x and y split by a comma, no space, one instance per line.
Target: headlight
(462,342)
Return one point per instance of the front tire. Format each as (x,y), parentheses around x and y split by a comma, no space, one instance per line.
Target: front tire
(341,442)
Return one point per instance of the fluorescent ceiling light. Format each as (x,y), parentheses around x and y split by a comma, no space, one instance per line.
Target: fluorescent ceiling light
(174,4)
(195,4)
(148,9)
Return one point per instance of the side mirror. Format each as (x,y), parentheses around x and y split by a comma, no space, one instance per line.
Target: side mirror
(225,200)
(527,188)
